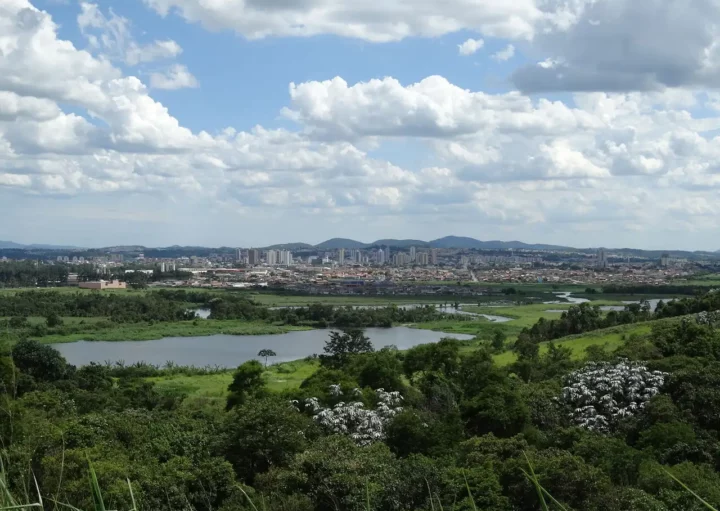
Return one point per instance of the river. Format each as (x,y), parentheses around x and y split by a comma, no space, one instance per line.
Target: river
(233,350)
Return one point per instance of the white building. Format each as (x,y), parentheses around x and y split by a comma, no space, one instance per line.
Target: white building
(341,256)
(413,254)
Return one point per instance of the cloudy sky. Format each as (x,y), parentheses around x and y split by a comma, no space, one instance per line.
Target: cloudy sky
(250,122)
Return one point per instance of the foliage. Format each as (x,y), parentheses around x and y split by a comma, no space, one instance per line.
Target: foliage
(363,425)
(247,382)
(601,394)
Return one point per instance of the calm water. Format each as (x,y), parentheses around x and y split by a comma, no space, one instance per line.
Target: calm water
(233,350)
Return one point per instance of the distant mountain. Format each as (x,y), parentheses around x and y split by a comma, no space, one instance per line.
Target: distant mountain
(335,243)
(465,242)
(291,246)
(400,243)
(12,244)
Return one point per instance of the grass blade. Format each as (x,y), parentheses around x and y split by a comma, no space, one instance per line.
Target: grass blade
(249,499)
(95,488)
(472,500)
(432,504)
(132,496)
(698,497)
(533,479)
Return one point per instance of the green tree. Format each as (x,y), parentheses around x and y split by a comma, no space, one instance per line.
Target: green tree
(265,354)
(40,361)
(247,382)
(498,340)
(342,345)
(53,320)
(262,434)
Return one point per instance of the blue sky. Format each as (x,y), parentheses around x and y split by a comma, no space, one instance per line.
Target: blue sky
(165,117)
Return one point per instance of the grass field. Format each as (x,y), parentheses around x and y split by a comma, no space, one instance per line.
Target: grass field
(146,331)
(611,338)
(274,300)
(213,387)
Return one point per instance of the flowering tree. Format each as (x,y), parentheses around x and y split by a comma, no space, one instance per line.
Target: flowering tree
(602,393)
(364,426)
(711,318)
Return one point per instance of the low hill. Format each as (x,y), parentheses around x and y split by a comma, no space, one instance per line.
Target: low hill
(400,243)
(335,243)
(290,246)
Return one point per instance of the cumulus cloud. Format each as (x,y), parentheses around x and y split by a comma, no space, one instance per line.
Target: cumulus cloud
(470,46)
(624,45)
(177,77)
(112,35)
(372,20)
(604,159)
(505,54)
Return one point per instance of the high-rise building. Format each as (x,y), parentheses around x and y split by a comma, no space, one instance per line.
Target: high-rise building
(357,256)
(380,257)
(434,256)
(665,260)
(271,257)
(601,261)
(285,257)
(238,255)
(253,256)
(422,258)
(413,254)
(341,256)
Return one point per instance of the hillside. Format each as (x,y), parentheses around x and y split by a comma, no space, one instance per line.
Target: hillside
(336,243)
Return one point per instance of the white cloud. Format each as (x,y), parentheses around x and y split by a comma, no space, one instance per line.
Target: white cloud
(470,46)
(112,36)
(72,123)
(505,54)
(372,20)
(177,77)
(622,45)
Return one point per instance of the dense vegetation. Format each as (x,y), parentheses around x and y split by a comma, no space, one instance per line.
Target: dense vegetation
(96,313)
(432,427)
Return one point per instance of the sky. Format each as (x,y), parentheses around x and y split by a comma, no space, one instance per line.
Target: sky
(252,122)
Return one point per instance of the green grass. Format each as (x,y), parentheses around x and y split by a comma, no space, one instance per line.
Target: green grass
(213,387)
(611,338)
(146,331)
(274,300)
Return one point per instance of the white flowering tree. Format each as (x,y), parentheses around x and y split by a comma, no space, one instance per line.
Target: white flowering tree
(602,393)
(363,425)
(711,318)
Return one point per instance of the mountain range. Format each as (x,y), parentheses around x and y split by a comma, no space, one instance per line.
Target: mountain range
(20,246)
(446,242)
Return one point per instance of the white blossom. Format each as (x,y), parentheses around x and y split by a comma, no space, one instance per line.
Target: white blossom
(602,393)
(353,419)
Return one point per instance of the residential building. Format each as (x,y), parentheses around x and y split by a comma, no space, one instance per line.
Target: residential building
(341,256)
(253,256)
(434,256)
(413,254)
(103,284)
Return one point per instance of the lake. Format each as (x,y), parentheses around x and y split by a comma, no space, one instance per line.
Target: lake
(233,350)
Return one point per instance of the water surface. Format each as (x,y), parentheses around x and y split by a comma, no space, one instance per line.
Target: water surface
(233,350)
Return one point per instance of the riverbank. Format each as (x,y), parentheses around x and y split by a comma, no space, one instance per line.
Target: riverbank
(195,328)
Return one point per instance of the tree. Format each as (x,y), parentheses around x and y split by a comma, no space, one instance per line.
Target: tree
(53,320)
(498,340)
(39,361)
(342,345)
(247,381)
(265,433)
(266,353)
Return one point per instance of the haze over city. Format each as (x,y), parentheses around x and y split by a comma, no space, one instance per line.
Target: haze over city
(164,122)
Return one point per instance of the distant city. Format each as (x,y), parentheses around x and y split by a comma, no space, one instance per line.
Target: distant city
(371,268)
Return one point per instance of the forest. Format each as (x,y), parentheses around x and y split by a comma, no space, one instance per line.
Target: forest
(435,427)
